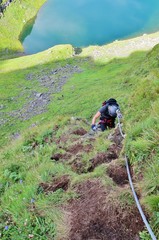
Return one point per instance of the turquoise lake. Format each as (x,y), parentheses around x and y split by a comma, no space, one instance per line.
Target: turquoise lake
(89,22)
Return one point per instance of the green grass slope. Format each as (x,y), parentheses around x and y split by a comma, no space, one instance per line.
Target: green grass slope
(41,95)
(133,81)
(16,15)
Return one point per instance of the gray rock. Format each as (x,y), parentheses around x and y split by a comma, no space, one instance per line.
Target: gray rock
(39,95)
(2,106)
(37,102)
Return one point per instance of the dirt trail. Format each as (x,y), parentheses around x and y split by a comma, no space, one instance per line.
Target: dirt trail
(100,212)
(98,215)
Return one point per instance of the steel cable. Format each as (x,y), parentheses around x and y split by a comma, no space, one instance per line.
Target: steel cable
(133,191)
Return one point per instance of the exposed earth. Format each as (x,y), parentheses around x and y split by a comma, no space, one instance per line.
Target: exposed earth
(100,212)
(98,215)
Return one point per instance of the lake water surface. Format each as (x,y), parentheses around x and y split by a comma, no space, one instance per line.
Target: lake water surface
(90,22)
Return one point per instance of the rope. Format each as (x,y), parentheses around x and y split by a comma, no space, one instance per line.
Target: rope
(119,125)
(133,191)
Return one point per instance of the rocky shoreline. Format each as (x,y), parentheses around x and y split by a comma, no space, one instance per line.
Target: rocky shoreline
(122,48)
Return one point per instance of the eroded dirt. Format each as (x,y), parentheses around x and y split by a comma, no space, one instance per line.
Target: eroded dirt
(102,158)
(79,147)
(63,139)
(97,213)
(59,156)
(95,216)
(56,183)
(112,152)
(78,166)
(74,151)
(118,174)
(80,132)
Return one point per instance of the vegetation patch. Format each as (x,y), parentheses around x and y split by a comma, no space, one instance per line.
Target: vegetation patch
(37,228)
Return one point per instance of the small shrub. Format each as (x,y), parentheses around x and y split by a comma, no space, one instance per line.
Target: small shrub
(12,173)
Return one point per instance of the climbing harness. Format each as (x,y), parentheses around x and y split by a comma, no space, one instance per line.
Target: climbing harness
(108,122)
(133,191)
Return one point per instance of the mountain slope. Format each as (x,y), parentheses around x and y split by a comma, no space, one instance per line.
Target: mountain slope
(56,180)
(26,161)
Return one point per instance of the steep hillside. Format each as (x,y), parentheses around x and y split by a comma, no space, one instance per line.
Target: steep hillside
(40,96)
(58,180)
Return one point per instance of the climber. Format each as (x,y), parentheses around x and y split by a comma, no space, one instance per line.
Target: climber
(107,113)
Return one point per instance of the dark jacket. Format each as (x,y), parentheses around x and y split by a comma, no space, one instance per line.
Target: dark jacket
(105,112)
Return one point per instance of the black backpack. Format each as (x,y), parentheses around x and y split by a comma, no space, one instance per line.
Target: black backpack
(110,101)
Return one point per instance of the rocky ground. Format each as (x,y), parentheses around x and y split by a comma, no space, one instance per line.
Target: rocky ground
(37,102)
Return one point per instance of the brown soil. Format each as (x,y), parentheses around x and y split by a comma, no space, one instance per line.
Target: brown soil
(55,184)
(78,147)
(78,166)
(111,154)
(59,156)
(63,139)
(98,213)
(116,138)
(118,174)
(94,216)
(75,150)
(80,132)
